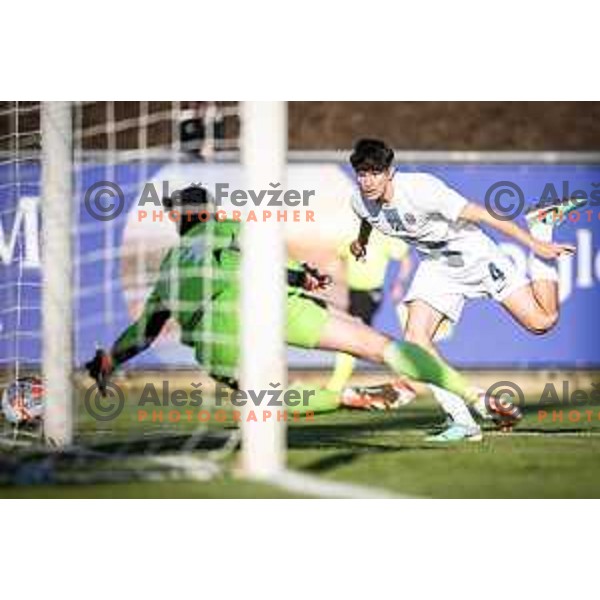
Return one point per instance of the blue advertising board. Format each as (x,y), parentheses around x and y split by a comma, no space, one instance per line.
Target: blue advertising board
(486,336)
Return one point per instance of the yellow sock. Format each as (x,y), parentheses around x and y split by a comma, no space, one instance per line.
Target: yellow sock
(344,365)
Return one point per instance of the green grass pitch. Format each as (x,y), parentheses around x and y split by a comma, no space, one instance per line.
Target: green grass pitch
(540,459)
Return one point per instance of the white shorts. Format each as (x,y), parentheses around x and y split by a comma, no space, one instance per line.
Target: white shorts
(445,286)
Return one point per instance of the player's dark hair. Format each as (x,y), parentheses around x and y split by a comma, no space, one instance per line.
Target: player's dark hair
(194,198)
(371,155)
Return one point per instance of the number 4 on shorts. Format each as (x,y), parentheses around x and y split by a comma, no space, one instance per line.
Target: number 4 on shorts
(495,272)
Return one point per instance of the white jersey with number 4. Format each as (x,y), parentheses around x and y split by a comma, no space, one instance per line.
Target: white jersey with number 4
(458,259)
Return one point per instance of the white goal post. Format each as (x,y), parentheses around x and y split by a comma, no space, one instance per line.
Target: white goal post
(264,154)
(57,268)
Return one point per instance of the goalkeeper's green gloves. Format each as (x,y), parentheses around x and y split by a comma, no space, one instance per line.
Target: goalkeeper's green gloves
(307,277)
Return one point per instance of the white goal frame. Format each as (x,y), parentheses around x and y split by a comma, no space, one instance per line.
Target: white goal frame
(263,356)
(57,269)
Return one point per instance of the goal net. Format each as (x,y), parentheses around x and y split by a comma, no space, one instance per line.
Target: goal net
(87,249)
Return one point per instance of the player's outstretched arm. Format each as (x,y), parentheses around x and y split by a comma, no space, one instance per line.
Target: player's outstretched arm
(138,337)
(358,247)
(475,214)
(134,340)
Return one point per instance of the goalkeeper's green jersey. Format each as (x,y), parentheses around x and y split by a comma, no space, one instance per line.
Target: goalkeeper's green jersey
(195,272)
(198,285)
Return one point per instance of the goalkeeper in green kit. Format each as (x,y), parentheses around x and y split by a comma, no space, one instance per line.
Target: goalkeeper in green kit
(198,286)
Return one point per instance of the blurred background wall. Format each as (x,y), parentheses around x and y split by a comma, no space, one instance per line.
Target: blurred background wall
(447,125)
(335,125)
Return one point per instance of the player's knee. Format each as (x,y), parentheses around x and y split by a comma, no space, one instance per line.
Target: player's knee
(418,338)
(544,323)
(551,321)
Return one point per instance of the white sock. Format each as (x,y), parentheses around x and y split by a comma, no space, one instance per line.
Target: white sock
(541,269)
(454,406)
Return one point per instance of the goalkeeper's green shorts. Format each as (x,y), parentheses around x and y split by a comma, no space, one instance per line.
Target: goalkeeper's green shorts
(217,346)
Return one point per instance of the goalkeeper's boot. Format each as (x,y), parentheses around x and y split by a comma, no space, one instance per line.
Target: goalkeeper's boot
(500,410)
(404,393)
(553,213)
(359,398)
(379,397)
(456,433)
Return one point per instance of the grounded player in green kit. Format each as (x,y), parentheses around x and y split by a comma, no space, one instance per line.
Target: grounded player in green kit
(198,286)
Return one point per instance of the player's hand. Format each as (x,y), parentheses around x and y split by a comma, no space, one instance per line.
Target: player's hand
(549,250)
(358,250)
(314,280)
(100,368)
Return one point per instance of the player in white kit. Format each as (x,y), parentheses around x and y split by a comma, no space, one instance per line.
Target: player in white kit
(457,259)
